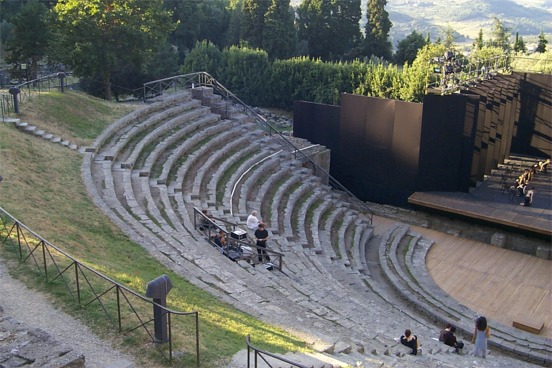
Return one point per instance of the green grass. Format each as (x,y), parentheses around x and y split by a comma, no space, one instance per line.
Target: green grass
(42,188)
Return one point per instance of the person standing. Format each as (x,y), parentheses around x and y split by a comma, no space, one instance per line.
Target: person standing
(261,234)
(481,334)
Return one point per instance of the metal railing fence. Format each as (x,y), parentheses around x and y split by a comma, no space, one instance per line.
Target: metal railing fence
(259,354)
(55,81)
(191,80)
(89,287)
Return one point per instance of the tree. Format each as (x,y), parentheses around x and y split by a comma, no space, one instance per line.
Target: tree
(377,30)
(408,48)
(196,21)
(188,16)
(235,26)
(280,37)
(519,44)
(449,34)
(500,36)
(254,21)
(31,35)
(97,37)
(478,42)
(205,56)
(216,21)
(541,47)
(330,27)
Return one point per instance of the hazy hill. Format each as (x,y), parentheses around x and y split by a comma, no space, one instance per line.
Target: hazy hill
(467,17)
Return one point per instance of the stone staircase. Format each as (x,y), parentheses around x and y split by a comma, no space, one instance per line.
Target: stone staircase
(149,170)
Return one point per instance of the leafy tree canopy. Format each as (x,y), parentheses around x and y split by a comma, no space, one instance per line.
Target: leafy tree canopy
(97,37)
(407,49)
(31,35)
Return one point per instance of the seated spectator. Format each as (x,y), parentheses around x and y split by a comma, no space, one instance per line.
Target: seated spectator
(411,341)
(450,340)
(526,176)
(543,165)
(253,221)
(220,239)
(443,331)
(521,189)
(528,201)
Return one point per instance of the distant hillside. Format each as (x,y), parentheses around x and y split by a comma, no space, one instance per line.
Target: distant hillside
(467,17)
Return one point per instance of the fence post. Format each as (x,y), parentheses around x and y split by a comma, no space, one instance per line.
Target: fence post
(61,76)
(15,92)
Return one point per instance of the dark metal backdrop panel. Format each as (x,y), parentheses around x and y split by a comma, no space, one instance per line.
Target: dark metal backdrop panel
(405,150)
(379,147)
(319,123)
(441,147)
(534,128)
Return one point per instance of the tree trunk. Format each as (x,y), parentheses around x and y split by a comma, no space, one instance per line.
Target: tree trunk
(107,85)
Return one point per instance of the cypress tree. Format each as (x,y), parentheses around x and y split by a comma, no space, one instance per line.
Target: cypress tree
(377,30)
(541,47)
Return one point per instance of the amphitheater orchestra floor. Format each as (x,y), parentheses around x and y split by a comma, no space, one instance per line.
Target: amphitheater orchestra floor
(501,284)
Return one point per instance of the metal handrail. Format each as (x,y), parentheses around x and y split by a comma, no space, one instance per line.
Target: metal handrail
(258,353)
(46,260)
(157,87)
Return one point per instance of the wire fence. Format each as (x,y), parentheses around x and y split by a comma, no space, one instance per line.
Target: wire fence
(125,309)
(9,102)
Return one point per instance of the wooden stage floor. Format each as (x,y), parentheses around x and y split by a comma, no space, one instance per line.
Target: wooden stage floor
(501,284)
(498,283)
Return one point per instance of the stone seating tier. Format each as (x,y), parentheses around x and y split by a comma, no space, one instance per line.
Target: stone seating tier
(330,304)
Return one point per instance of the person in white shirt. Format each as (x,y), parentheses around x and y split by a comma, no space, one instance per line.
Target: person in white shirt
(253,221)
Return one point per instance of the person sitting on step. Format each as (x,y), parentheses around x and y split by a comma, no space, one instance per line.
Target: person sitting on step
(528,201)
(450,340)
(220,239)
(543,165)
(410,340)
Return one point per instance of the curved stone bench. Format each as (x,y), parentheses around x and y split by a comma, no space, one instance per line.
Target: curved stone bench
(184,114)
(240,178)
(167,144)
(290,209)
(432,301)
(184,148)
(114,131)
(123,141)
(304,212)
(222,158)
(275,196)
(248,200)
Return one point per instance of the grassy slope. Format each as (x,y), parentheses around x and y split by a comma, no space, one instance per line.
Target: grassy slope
(42,188)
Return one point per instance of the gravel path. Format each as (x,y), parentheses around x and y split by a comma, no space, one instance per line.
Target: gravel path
(33,309)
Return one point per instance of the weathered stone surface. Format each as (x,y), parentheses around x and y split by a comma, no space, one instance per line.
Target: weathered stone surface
(22,346)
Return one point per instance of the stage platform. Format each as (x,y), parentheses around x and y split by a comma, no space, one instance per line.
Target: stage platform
(488,202)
